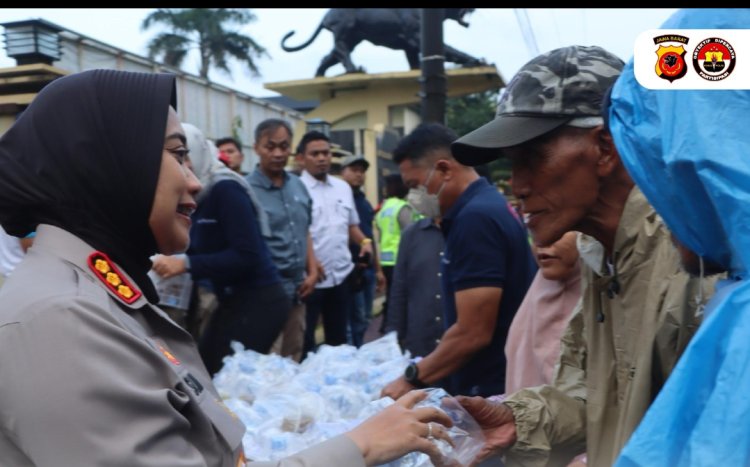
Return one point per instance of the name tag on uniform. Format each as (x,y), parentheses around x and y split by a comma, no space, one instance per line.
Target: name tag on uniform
(194,384)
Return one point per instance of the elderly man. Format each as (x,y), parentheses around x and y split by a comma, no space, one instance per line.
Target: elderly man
(638,311)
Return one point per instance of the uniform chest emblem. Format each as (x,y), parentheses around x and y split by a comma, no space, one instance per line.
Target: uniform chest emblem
(106,271)
(170,356)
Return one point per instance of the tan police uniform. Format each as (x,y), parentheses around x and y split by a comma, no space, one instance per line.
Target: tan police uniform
(91,374)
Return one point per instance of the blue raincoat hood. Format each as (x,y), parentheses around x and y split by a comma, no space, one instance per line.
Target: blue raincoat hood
(689,152)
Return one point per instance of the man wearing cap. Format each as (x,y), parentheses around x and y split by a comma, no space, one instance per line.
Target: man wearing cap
(486,266)
(638,308)
(368,274)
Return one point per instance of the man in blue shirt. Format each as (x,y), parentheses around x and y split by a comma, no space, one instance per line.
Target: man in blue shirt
(367,270)
(288,205)
(486,269)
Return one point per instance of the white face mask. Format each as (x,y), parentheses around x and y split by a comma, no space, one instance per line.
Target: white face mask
(425,203)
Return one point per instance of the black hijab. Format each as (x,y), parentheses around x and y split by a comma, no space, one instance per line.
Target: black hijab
(85,157)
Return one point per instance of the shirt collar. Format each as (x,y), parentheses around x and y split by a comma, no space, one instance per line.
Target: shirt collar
(262,179)
(466,196)
(427,223)
(310,180)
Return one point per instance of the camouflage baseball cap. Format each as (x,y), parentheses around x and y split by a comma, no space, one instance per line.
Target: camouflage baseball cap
(549,91)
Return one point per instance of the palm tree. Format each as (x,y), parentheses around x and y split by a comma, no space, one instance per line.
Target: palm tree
(204,29)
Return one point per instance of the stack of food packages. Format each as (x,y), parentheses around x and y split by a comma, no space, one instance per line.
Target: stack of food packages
(288,407)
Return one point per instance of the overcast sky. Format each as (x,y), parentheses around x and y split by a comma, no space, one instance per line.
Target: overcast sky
(493,34)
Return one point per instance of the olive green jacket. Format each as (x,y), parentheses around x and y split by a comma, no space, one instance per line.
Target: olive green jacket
(635,319)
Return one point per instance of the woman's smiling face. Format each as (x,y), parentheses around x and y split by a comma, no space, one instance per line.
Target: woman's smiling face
(173,200)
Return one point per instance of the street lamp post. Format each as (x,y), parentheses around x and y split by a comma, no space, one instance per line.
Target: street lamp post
(433,79)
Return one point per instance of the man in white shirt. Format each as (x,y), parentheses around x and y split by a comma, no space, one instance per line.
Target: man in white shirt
(335,223)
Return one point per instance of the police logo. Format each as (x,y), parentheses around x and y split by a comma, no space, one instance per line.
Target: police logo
(670,61)
(714,59)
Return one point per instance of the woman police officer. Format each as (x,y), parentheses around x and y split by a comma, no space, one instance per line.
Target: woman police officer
(91,371)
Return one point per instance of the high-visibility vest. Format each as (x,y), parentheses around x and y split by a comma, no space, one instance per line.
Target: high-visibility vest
(390,230)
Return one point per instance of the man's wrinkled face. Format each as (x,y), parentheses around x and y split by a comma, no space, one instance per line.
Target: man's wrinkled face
(555,179)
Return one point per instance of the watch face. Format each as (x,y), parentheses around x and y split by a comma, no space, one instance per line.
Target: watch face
(411,372)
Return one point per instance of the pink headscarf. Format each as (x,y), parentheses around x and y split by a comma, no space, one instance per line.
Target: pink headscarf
(533,344)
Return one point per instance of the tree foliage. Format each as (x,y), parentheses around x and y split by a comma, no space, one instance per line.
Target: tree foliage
(465,114)
(204,29)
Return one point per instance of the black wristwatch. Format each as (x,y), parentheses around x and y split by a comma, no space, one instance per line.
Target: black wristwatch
(411,375)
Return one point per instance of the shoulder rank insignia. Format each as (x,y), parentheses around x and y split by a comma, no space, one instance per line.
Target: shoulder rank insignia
(115,281)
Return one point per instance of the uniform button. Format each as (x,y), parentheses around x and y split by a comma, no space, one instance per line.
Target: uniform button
(291,223)
(437,296)
(440,274)
(437,341)
(437,319)
(286,205)
(441,253)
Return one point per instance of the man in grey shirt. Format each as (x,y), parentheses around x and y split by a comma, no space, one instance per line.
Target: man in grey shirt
(416,299)
(289,207)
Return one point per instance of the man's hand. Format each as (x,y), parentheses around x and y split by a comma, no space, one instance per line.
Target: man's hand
(497,422)
(308,285)
(321,271)
(397,388)
(380,281)
(168,266)
(365,248)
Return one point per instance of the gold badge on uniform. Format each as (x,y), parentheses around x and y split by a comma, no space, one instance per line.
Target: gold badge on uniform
(110,276)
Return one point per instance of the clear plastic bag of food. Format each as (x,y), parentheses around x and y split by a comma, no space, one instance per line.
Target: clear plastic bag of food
(466,435)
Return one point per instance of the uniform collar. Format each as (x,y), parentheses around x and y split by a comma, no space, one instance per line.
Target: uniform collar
(110,276)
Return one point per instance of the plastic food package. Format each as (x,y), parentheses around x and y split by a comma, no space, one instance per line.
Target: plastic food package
(175,291)
(287,407)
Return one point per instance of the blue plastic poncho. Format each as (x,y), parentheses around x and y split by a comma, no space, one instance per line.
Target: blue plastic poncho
(689,152)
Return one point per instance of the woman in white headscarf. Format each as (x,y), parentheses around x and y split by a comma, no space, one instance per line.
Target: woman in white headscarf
(227,249)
